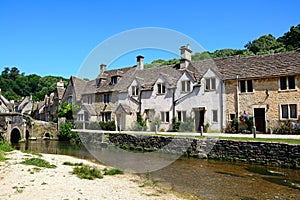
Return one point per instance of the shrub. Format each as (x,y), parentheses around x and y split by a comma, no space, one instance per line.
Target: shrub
(188,125)
(154,122)
(175,124)
(140,124)
(65,133)
(108,126)
(5,146)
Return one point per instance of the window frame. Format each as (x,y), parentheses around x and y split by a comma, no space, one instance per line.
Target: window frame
(182,114)
(244,86)
(210,84)
(288,109)
(185,86)
(114,80)
(161,88)
(165,117)
(214,113)
(285,83)
(106,98)
(135,90)
(106,116)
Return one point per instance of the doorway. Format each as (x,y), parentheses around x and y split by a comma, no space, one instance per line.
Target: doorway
(199,118)
(260,119)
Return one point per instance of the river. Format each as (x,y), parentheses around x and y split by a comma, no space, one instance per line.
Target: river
(207,179)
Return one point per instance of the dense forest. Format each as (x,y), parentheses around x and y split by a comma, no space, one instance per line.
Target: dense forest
(15,85)
(266,44)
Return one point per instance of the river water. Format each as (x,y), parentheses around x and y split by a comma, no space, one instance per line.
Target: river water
(206,179)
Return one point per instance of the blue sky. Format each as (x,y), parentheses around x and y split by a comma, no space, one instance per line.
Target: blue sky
(55,37)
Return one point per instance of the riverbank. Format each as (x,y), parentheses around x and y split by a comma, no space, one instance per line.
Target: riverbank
(19,181)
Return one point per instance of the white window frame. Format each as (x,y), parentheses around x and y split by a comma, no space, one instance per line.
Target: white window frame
(287,82)
(288,111)
(185,86)
(163,116)
(162,89)
(213,113)
(182,114)
(135,90)
(246,86)
(209,84)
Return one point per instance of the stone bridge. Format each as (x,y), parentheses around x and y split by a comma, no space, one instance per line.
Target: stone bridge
(16,126)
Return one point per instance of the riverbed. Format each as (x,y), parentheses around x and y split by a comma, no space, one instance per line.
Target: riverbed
(207,179)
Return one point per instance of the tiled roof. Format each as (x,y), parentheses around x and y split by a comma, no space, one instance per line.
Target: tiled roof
(272,65)
(79,86)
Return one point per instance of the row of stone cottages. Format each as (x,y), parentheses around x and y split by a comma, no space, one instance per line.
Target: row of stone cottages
(213,92)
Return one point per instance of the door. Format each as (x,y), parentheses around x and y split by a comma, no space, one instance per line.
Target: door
(260,119)
(199,118)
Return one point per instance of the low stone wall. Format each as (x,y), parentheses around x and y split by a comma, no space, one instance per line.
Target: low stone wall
(260,152)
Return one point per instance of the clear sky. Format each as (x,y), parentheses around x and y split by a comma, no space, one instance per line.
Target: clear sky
(54,37)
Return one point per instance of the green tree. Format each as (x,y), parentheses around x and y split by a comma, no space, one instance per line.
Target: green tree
(291,39)
(66,110)
(265,44)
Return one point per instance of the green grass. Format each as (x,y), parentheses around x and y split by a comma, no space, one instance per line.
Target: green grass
(72,164)
(289,141)
(5,146)
(2,157)
(38,162)
(85,172)
(32,152)
(112,171)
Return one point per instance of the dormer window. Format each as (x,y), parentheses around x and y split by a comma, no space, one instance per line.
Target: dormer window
(161,88)
(114,80)
(134,90)
(98,82)
(185,86)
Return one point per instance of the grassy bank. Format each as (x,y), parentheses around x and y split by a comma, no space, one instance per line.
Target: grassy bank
(4,147)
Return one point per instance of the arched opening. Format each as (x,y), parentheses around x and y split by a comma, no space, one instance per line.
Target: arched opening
(47,135)
(27,135)
(15,136)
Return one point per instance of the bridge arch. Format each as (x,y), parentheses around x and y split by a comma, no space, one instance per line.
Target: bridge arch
(15,135)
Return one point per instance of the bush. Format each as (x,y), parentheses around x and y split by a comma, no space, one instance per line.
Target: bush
(140,124)
(175,124)
(188,125)
(65,133)
(287,127)
(154,122)
(85,172)
(108,126)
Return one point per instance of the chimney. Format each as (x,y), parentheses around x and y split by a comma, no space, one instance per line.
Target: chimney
(60,83)
(102,68)
(140,62)
(185,56)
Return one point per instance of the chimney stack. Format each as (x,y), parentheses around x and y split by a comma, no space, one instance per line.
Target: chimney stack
(60,83)
(185,56)
(102,68)
(140,62)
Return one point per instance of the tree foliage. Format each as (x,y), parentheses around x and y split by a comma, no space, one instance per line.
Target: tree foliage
(15,85)
(66,110)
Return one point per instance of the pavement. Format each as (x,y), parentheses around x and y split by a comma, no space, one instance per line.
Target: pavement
(192,134)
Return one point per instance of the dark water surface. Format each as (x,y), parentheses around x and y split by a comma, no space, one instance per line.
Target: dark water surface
(208,179)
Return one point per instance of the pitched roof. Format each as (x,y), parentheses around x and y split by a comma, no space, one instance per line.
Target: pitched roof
(79,86)
(272,65)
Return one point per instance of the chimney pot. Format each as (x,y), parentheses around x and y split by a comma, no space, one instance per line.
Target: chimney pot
(102,68)
(140,62)
(186,56)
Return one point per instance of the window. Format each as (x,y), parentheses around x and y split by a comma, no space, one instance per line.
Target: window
(289,111)
(210,84)
(80,117)
(114,80)
(181,116)
(134,90)
(98,82)
(106,98)
(215,116)
(161,88)
(287,83)
(165,117)
(185,86)
(246,86)
(106,116)
(89,99)
(70,100)
(232,116)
